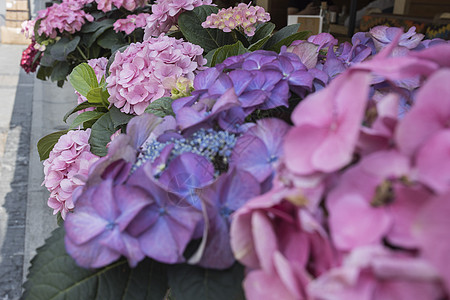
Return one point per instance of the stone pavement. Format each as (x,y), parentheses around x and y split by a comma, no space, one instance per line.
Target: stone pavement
(29,109)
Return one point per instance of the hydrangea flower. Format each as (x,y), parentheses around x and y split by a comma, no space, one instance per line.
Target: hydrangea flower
(136,75)
(165,15)
(29,62)
(99,66)
(66,168)
(131,23)
(107,5)
(67,16)
(243,17)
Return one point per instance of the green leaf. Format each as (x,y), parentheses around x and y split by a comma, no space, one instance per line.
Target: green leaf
(63,47)
(161,107)
(209,57)
(103,26)
(83,79)
(79,107)
(98,96)
(101,133)
(192,283)
(262,31)
(281,34)
(110,39)
(190,23)
(119,118)
(84,117)
(47,60)
(44,72)
(242,37)
(226,51)
(258,44)
(46,144)
(288,40)
(55,275)
(95,26)
(60,71)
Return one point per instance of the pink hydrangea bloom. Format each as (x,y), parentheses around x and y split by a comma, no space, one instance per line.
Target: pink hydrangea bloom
(165,14)
(99,66)
(65,168)
(64,17)
(136,75)
(243,17)
(28,28)
(132,22)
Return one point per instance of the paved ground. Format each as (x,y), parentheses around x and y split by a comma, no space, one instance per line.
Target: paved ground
(29,110)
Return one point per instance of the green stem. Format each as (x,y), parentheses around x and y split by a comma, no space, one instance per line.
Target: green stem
(82,54)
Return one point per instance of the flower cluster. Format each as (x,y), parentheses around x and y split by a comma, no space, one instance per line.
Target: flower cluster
(99,66)
(131,23)
(28,28)
(136,75)
(358,204)
(66,168)
(243,17)
(106,5)
(174,185)
(165,15)
(232,90)
(29,61)
(67,16)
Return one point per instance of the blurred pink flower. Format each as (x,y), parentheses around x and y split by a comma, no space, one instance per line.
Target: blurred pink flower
(375,273)
(327,126)
(64,170)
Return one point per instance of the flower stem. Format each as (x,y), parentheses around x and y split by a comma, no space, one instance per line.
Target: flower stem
(82,54)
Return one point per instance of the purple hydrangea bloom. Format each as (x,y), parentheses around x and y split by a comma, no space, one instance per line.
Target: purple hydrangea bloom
(228,193)
(259,148)
(95,232)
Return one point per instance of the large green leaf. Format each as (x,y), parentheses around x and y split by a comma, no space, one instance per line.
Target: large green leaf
(63,47)
(226,51)
(60,71)
(190,23)
(46,144)
(54,275)
(262,31)
(281,34)
(258,44)
(83,79)
(189,282)
(303,35)
(102,27)
(98,95)
(161,107)
(209,57)
(95,26)
(111,39)
(44,72)
(101,133)
(119,118)
(85,117)
(79,107)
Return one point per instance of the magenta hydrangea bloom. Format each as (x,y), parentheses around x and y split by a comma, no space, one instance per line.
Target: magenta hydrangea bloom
(327,126)
(68,164)
(165,15)
(136,75)
(375,273)
(243,17)
(67,16)
(99,66)
(131,23)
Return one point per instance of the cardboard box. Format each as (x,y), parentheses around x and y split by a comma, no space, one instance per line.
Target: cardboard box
(13,36)
(17,5)
(311,23)
(19,15)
